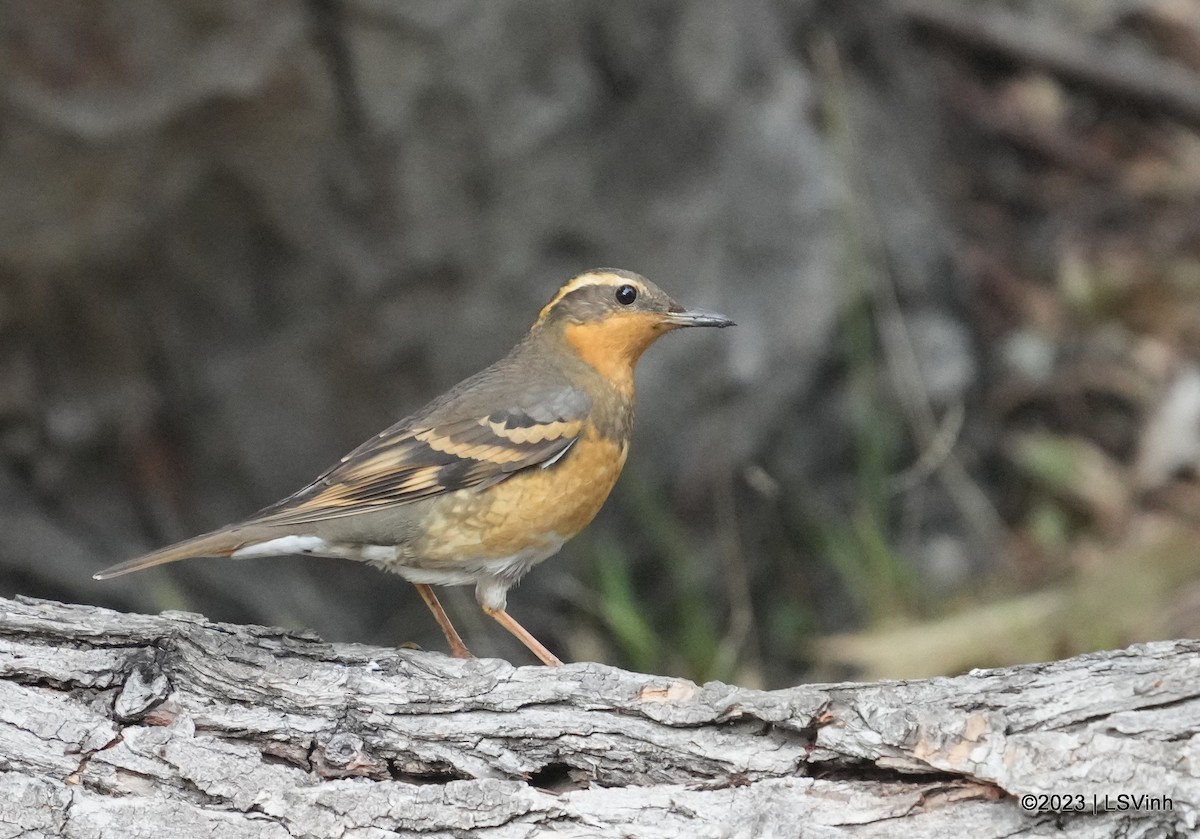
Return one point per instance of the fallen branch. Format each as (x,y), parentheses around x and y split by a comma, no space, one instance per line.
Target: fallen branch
(1118,72)
(129,726)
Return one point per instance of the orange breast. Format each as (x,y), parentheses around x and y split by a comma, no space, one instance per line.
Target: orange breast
(535,507)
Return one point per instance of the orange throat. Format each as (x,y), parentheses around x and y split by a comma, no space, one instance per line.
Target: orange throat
(613,346)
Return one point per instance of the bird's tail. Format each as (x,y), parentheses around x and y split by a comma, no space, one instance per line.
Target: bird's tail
(217,543)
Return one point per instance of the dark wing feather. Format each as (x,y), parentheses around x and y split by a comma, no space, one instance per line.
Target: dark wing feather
(425,456)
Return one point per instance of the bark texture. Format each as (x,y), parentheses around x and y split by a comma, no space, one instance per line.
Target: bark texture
(116,725)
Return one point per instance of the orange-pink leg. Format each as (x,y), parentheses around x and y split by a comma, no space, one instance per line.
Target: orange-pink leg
(536,647)
(457,648)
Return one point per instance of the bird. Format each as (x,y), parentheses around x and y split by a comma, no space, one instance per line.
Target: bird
(490,478)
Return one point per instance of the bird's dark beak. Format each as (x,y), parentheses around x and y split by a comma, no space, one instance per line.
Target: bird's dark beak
(696,317)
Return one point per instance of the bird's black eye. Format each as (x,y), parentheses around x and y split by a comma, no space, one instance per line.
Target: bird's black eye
(626,294)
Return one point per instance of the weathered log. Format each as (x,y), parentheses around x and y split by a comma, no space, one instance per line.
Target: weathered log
(117,725)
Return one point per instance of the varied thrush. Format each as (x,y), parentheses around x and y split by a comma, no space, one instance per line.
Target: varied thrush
(493,476)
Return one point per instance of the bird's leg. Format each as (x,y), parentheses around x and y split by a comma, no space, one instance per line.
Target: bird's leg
(457,648)
(535,646)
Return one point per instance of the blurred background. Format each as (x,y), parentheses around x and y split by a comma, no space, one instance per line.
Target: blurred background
(958,423)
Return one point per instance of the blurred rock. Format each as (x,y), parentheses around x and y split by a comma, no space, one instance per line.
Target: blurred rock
(1170,441)
(268,229)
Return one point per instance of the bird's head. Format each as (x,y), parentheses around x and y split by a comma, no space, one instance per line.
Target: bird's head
(608,317)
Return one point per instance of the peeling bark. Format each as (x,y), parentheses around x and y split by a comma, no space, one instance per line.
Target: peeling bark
(116,725)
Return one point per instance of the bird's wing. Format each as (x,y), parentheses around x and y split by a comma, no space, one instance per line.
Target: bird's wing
(415,459)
